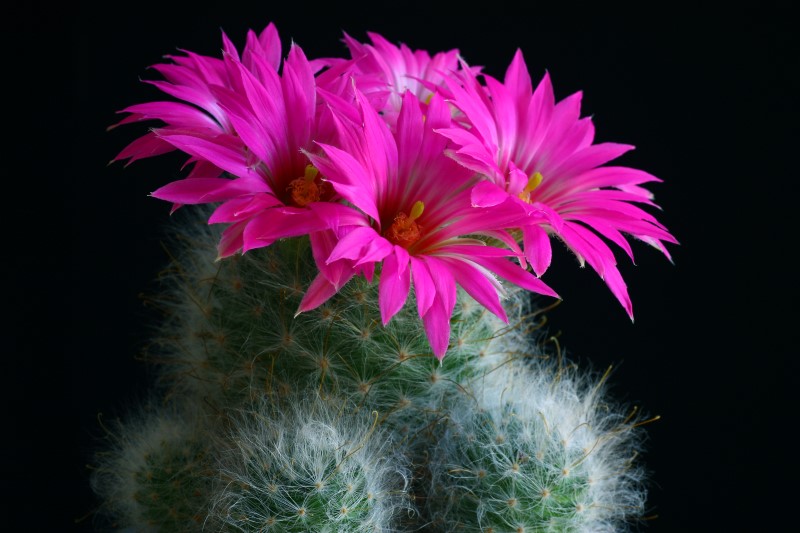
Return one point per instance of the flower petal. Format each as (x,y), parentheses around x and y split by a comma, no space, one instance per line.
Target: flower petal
(487,194)
(424,289)
(224,155)
(280,223)
(361,245)
(394,284)
(515,274)
(206,190)
(536,243)
(348,178)
(319,292)
(478,283)
(231,241)
(337,215)
(242,208)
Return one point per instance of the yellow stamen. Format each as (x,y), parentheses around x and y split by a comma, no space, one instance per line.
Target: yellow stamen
(534,181)
(416,210)
(311,173)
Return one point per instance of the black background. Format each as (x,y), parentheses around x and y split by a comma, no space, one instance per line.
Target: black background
(708,98)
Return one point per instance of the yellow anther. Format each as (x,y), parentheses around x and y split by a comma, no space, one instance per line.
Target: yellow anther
(416,210)
(534,181)
(311,173)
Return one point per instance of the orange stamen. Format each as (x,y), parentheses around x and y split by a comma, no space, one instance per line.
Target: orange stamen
(404,231)
(304,190)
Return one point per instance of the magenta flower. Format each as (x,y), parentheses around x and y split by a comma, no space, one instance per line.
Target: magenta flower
(384,72)
(412,216)
(246,129)
(539,154)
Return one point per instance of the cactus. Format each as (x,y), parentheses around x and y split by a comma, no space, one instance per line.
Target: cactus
(308,463)
(535,447)
(272,422)
(153,474)
(364,353)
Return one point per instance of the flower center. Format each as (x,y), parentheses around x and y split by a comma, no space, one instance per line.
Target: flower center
(404,231)
(534,181)
(304,190)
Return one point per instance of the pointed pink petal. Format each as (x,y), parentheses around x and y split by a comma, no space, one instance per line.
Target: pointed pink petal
(538,251)
(361,245)
(271,45)
(436,323)
(409,140)
(394,284)
(509,241)
(231,241)
(546,213)
(534,128)
(206,190)
(470,249)
(266,45)
(478,283)
(487,194)
(348,178)
(589,158)
(265,99)
(472,102)
(513,273)
(609,199)
(505,118)
(611,233)
(612,176)
(517,179)
(204,169)
(280,223)
(589,246)
(658,245)
(472,154)
(424,289)
(338,215)
(172,113)
(379,145)
(228,47)
(225,156)
(518,80)
(444,282)
(254,133)
(618,288)
(319,292)
(200,98)
(299,92)
(238,209)
(148,145)
(508,214)
(338,272)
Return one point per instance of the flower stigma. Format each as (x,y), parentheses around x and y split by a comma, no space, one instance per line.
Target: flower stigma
(534,181)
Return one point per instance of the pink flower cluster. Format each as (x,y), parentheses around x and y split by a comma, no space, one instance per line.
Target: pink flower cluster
(419,167)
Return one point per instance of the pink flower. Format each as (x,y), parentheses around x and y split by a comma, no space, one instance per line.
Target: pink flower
(539,154)
(384,72)
(245,128)
(414,216)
